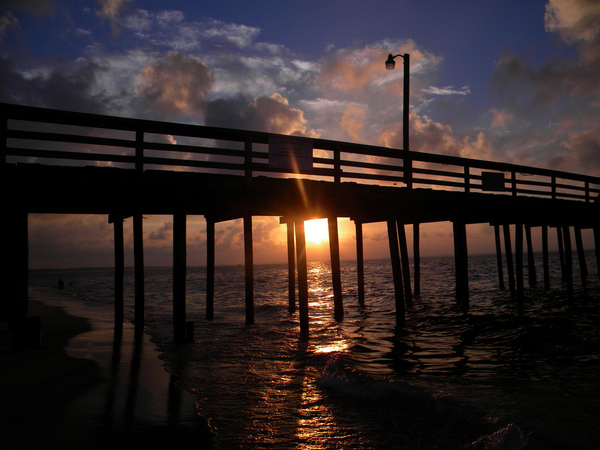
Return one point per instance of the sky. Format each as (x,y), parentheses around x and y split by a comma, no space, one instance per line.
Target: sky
(508,81)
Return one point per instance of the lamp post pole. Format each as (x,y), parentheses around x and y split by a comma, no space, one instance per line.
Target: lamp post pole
(390,64)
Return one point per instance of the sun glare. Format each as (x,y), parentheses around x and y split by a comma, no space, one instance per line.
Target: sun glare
(316,231)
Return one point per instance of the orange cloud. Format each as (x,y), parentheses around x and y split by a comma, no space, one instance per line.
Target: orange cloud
(500,118)
(175,85)
(110,10)
(353,120)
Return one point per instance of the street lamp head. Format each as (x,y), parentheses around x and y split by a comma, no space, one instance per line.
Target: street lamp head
(390,64)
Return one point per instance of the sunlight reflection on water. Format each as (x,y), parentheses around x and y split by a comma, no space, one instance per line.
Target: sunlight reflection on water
(360,383)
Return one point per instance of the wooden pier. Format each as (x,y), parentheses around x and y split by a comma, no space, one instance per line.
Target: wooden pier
(62,162)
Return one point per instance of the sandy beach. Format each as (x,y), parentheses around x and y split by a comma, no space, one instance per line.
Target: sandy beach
(87,387)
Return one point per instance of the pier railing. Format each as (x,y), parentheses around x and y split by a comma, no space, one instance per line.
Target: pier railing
(45,136)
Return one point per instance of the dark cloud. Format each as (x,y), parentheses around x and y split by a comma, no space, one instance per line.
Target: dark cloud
(69,87)
(272,114)
(586,149)
(38,7)
(164,233)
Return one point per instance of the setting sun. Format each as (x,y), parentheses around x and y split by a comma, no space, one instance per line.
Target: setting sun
(316,231)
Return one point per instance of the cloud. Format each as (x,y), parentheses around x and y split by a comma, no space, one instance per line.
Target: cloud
(271,114)
(500,118)
(575,20)
(175,85)
(7,21)
(111,10)
(164,233)
(353,120)
(38,7)
(585,146)
(448,90)
(68,87)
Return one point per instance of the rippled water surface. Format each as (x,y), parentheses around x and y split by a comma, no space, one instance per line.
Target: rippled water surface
(491,378)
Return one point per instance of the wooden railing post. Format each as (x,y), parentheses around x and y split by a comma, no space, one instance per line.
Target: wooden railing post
(467,179)
(408,176)
(337,167)
(3,129)
(513,179)
(587,192)
(248,163)
(553,187)
(139,152)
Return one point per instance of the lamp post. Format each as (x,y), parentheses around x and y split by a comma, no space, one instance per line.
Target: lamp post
(390,64)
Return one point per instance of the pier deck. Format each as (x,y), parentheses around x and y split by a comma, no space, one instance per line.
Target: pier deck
(61,162)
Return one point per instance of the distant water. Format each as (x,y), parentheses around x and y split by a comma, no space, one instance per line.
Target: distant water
(489,379)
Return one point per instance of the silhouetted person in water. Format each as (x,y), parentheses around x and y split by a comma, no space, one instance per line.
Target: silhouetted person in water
(61,283)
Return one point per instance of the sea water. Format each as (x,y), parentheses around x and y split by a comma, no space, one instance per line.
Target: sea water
(496,377)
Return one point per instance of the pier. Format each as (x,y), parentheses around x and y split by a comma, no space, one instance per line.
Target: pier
(63,162)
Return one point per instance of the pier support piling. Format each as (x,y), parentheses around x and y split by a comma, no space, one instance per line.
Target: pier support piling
(461,264)
(561,253)
(210,269)
(302,278)
(597,247)
(583,270)
(291,268)
(499,257)
(405,264)
(14,304)
(249,269)
(360,264)
(568,261)
(138,262)
(417,259)
(532,277)
(119,270)
(509,258)
(397,272)
(336,276)
(179,274)
(545,257)
(519,263)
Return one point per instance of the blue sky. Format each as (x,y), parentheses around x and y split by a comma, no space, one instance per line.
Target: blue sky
(514,81)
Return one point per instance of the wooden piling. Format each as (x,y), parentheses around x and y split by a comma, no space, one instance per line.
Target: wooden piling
(336,276)
(302,278)
(119,270)
(545,257)
(519,263)
(396,272)
(461,264)
(360,264)
(566,234)
(291,268)
(532,277)
(14,305)
(597,247)
(405,264)
(416,260)
(138,261)
(210,269)
(509,258)
(583,270)
(249,269)
(179,274)
(499,257)
(561,254)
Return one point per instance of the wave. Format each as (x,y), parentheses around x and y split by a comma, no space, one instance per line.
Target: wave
(413,416)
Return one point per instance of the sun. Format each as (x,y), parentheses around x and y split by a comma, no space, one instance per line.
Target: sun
(316,231)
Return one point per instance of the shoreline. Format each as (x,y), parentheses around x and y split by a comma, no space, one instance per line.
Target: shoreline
(89,387)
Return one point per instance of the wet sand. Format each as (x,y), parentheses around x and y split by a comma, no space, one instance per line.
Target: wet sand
(89,388)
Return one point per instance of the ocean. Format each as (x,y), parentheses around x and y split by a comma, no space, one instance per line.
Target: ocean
(492,378)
